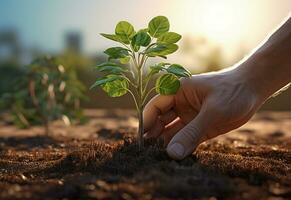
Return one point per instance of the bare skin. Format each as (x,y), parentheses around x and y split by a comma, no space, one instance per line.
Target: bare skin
(211,104)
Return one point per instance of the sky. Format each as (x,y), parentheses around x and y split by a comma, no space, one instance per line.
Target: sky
(230,24)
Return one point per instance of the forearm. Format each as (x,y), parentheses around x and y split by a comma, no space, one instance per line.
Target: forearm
(268,68)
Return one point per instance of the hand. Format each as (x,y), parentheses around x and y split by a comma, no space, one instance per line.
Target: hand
(204,107)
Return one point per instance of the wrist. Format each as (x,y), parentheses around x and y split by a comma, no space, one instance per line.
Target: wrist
(268,69)
(263,74)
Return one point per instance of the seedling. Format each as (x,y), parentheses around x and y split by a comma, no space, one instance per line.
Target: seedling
(46,91)
(137,48)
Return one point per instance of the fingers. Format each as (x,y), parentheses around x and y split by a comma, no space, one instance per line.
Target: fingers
(168,117)
(171,130)
(159,105)
(188,138)
(155,130)
(160,123)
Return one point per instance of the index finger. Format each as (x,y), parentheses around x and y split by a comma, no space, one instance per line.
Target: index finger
(158,105)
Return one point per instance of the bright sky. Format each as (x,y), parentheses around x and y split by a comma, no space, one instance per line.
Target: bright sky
(232,24)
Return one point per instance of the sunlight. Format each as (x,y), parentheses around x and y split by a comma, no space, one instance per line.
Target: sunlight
(223,23)
(223,20)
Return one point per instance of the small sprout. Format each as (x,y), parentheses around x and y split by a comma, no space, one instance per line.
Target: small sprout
(45,93)
(137,46)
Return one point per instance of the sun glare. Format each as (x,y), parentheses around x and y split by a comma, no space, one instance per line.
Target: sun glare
(222,20)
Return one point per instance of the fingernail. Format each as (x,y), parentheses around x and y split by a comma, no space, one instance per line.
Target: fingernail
(176,150)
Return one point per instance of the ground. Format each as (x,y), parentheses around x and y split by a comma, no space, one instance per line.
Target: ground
(100,160)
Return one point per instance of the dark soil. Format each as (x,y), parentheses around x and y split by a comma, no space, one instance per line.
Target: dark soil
(111,166)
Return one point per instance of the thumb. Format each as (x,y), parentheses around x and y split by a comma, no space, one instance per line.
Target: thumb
(188,138)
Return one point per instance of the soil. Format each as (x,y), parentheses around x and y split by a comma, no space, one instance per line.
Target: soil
(101,160)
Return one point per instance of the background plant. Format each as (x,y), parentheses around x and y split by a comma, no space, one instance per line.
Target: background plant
(47,90)
(137,47)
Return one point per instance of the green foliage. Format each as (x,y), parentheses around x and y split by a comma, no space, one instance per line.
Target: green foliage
(124,60)
(116,52)
(124,31)
(175,69)
(153,41)
(110,67)
(106,79)
(116,87)
(157,68)
(167,84)
(140,39)
(111,37)
(169,38)
(178,70)
(161,50)
(158,26)
(46,91)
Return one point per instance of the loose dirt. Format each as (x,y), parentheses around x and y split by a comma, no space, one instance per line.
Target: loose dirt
(101,160)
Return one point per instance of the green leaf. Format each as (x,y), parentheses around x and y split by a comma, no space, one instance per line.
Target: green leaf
(158,25)
(158,67)
(105,79)
(167,84)
(116,88)
(116,52)
(124,31)
(141,39)
(169,38)
(124,60)
(110,67)
(162,50)
(111,37)
(156,48)
(178,70)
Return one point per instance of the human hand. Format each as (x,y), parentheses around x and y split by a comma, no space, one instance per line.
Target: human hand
(204,107)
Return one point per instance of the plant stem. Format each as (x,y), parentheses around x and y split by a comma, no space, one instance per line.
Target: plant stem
(139,63)
(140,107)
(140,129)
(129,81)
(147,94)
(134,99)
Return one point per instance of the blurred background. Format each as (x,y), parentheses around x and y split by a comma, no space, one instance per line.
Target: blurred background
(216,34)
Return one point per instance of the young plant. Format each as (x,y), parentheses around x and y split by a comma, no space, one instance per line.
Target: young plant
(137,48)
(46,91)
